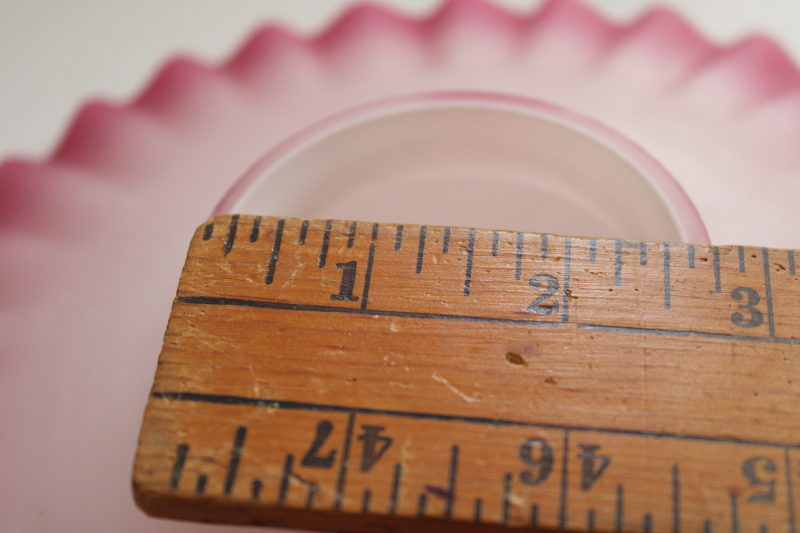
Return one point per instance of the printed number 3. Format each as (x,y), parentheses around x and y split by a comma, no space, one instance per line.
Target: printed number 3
(756,317)
(550,285)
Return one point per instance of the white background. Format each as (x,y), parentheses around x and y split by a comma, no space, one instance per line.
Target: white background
(56,55)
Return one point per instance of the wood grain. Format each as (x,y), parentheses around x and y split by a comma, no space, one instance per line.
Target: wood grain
(349,376)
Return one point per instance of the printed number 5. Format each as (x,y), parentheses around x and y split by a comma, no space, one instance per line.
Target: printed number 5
(550,285)
(756,317)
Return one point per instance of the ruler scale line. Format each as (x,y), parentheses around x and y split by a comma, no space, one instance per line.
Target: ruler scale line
(395,494)
(643,254)
(789,490)
(283,489)
(676,500)
(468,272)
(351,234)
(398,239)
(477,510)
(506,499)
(741,258)
(368,277)
(562,506)
(593,251)
(717,273)
(342,478)
(451,482)
(446,241)
(567,275)
(421,250)
(276,248)
(667,287)
(768,289)
(208,230)
(233,463)
(691,252)
(202,480)
(518,265)
(292,405)
(734,514)
(255,229)
(230,237)
(495,242)
(177,468)
(301,240)
(323,252)
(255,491)
(543,252)
(790,256)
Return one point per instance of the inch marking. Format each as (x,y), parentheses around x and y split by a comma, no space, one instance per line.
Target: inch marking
(717,280)
(303,232)
(518,267)
(255,491)
(768,289)
(311,491)
(495,242)
(398,474)
(323,252)
(643,254)
(423,231)
(273,257)
(789,490)
(543,253)
(446,241)
(676,500)
(470,252)
(506,498)
(340,482)
(618,262)
(398,240)
(255,229)
(207,231)
(562,506)
(202,480)
(365,501)
(667,303)
(177,467)
(368,276)
(351,234)
(231,235)
(741,258)
(233,464)
(647,523)
(451,482)
(287,473)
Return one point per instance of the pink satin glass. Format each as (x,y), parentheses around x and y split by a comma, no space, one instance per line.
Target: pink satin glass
(92,240)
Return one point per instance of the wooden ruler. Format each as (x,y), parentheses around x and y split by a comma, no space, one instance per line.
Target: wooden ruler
(349,376)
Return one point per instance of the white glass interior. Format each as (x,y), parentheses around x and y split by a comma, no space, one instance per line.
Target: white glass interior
(477,162)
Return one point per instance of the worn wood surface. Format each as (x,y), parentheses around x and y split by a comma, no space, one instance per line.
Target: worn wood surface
(350,376)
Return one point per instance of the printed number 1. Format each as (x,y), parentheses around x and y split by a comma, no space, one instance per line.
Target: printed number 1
(348,282)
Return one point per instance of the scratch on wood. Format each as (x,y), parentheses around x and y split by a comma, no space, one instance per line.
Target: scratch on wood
(443,381)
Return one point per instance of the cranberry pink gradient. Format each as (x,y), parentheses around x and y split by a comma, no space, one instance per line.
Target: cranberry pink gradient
(92,240)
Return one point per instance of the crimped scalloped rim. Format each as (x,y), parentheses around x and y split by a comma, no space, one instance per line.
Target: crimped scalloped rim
(761,69)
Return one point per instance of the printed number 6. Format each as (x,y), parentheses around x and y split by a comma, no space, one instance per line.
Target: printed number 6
(537,282)
(756,316)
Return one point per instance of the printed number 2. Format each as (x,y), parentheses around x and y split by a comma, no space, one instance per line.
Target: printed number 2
(756,317)
(550,285)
